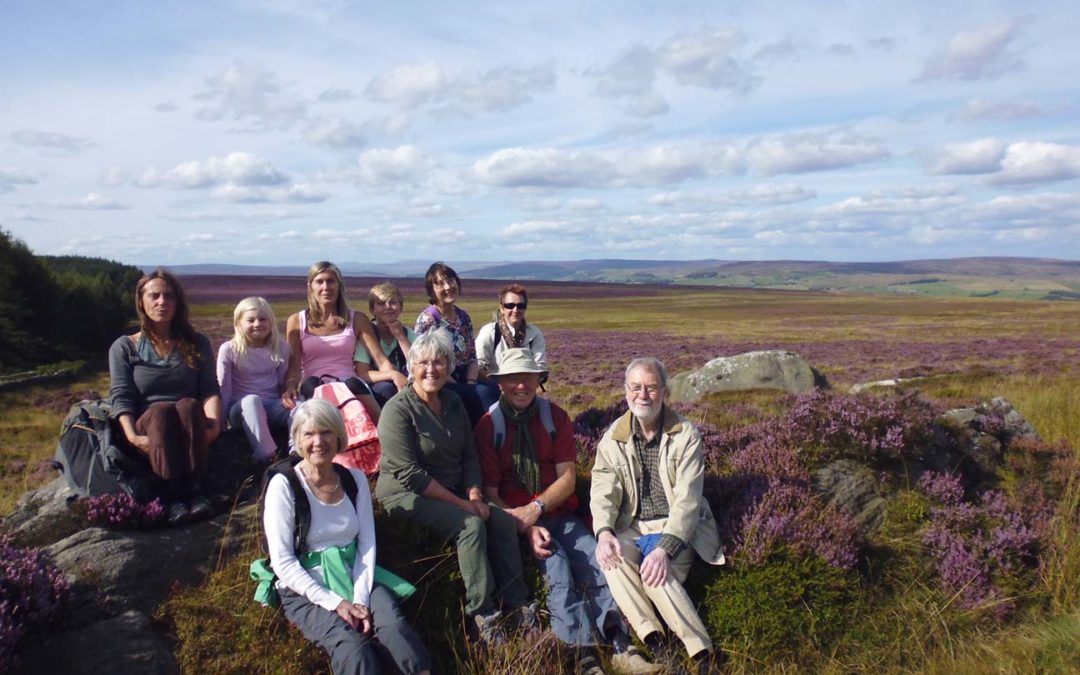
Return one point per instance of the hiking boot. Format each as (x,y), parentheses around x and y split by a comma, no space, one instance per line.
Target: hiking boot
(201,508)
(178,513)
(708,663)
(632,662)
(487,628)
(589,664)
(526,618)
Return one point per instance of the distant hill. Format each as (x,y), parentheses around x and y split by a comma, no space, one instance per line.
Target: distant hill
(1031,278)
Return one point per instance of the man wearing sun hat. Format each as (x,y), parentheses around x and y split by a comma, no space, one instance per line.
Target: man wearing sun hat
(527,457)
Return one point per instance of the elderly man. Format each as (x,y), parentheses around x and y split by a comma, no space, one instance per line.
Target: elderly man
(650,516)
(527,457)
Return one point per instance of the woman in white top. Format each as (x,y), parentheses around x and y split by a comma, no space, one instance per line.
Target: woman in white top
(358,625)
(509,330)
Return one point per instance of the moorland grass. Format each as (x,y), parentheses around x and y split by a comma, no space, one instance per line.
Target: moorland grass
(900,622)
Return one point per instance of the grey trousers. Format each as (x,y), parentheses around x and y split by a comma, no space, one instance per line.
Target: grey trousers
(351,653)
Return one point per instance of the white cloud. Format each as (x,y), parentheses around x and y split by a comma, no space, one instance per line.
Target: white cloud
(585,205)
(506,88)
(9,178)
(976,54)
(1027,163)
(806,152)
(238,168)
(299,193)
(92,202)
(979,109)
(335,95)
(251,94)
(410,86)
(50,142)
(707,59)
(771,193)
(981,156)
(543,167)
(539,228)
(677,162)
(405,164)
(334,132)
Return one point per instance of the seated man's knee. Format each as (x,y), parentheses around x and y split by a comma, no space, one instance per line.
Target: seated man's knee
(472,530)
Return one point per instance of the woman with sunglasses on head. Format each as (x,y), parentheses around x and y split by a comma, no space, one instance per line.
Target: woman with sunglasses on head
(509,330)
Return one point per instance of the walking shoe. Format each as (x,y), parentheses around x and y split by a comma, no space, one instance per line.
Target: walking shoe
(201,507)
(589,664)
(487,628)
(178,513)
(630,661)
(708,663)
(526,618)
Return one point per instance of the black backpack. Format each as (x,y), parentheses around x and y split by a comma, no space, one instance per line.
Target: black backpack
(92,463)
(302,507)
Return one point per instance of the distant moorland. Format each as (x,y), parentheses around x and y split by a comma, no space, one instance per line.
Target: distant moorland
(1021,278)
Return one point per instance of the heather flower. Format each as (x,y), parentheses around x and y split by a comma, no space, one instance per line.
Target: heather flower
(789,516)
(32,594)
(979,546)
(122,511)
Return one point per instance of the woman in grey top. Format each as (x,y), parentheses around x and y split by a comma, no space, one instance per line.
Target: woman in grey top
(430,474)
(164,394)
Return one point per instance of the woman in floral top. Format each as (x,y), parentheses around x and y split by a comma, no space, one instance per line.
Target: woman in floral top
(443,287)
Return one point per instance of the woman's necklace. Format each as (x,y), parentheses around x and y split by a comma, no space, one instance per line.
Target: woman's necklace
(319,489)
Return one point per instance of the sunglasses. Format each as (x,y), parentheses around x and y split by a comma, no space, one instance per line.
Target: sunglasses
(515,305)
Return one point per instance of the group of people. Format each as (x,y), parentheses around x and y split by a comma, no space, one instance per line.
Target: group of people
(470,453)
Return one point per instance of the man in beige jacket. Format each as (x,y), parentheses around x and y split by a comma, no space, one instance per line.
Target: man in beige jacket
(650,516)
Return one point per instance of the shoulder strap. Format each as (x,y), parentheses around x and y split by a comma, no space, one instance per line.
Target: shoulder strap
(545,416)
(498,421)
(301,511)
(348,483)
(498,426)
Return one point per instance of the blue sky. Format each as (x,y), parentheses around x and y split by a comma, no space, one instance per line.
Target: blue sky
(283,131)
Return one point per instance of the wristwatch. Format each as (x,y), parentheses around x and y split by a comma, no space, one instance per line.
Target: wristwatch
(541,504)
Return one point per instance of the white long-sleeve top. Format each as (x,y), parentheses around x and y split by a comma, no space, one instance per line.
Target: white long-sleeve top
(335,524)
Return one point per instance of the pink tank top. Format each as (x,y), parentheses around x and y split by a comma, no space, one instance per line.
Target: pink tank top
(327,354)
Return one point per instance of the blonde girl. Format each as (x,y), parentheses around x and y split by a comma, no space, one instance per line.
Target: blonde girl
(251,370)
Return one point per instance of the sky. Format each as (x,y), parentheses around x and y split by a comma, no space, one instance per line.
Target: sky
(285,131)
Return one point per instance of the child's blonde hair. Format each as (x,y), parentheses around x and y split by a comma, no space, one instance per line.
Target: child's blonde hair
(239,340)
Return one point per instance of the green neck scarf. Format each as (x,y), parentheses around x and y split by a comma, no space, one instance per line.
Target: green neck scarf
(526,465)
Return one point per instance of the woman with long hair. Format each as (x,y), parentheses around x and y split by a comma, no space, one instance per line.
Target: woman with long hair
(323,338)
(164,394)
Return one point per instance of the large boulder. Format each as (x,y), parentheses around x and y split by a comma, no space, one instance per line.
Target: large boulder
(123,645)
(772,369)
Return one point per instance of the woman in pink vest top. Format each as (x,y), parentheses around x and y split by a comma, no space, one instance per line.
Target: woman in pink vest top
(323,338)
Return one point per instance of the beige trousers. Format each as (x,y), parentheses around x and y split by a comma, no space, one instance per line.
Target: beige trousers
(637,601)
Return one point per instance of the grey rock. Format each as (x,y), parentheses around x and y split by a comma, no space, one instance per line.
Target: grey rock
(135,569)
(42,515)
(854,489)
(773,369)
(123,645)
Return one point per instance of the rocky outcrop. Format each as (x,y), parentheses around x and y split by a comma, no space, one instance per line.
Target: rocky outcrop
(854,489)
(123,645)
(119,577)
(773,369)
